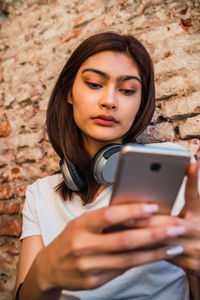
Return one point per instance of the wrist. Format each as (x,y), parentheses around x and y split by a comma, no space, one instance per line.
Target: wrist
(44,267)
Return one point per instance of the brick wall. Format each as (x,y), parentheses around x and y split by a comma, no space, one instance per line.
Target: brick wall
(36,39)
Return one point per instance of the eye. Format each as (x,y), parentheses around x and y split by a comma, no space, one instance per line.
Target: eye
(127,92)
(93,85)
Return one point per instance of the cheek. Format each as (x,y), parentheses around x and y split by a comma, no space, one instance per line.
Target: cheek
(131,111)
(77,113)
(80,112)
(129,118)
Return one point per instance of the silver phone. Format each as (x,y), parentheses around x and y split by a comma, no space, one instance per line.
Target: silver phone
(150,174)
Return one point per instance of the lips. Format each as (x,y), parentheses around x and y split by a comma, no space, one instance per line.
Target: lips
(105,120)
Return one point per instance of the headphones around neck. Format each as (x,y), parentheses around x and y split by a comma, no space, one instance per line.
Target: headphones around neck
(103,168)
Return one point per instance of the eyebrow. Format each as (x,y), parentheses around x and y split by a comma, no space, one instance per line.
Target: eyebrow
(106,76)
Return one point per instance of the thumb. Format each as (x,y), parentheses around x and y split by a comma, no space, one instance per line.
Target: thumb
(192,199)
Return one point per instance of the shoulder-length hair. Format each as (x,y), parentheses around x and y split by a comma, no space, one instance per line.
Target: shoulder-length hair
(64,135)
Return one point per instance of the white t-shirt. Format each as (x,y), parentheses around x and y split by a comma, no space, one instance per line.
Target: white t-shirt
(46,214)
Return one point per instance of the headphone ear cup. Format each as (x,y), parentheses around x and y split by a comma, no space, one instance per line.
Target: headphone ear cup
(73,178)
(104,164)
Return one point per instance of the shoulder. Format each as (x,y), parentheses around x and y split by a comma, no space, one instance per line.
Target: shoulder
(46,183)
(43,189)
(44,212)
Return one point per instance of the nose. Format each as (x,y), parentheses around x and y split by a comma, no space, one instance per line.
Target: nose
(108,98)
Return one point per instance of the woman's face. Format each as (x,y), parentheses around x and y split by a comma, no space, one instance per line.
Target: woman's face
(106,96)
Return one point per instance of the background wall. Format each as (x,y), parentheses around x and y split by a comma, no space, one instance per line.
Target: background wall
(36,39)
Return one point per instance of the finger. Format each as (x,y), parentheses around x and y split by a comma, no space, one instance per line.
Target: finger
(133,239)
(159,220)
(96,220)
(122,261)
(192,200)
(192,227)
(97,280)
(190,264)
(191,246)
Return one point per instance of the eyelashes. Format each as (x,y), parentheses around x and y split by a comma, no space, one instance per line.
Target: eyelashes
(96,86)
(127,92)
(93,85)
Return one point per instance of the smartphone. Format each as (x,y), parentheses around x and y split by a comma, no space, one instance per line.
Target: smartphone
(150,173)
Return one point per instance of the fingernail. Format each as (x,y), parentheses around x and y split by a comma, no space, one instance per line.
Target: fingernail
(173,251)
(149,208)
(174,231)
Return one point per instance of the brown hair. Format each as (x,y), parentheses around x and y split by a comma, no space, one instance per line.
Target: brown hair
(64,135)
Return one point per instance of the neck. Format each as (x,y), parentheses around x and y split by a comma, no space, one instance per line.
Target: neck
(93,146)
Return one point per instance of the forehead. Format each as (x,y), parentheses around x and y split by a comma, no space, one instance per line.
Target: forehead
(112,62)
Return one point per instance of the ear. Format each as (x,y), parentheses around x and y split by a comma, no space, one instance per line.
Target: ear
(70,98)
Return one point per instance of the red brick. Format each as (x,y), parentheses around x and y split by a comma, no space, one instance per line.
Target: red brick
(10,246)
(74,35)
(9,207)
(6,158)
(181,106)
(161,132)
(15,170)
(20,190)
(10,173)
(186,24)
(78,20)
(10,225)
(122,2)
(193,145)
(4,262)
(21,208)
(5,192)
(5,129)
(190,128)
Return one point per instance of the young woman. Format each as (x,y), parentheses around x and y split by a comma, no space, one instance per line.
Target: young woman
(104,95)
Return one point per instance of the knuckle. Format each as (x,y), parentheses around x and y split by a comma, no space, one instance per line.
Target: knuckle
(158,254)
(75,247)
(72,225)
(77,223)
(195,265)
(106,215)
(196,229)
(156,235)
(85,215)
(154,255)
(197,249)
(82,265)
(125,240)
(130,261)
(91,282)
(175,222)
